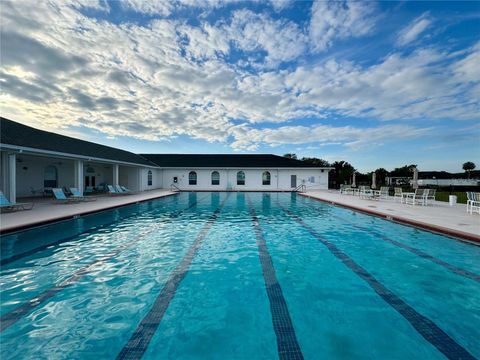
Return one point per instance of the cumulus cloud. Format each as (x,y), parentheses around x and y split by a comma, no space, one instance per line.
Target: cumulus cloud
(332,20)
(167,78)
(413,30)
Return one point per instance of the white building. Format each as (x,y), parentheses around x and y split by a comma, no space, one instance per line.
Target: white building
(234,172)
(33,161)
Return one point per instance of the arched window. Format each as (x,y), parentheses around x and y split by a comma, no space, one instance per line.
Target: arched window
(149,178)
(215,178)
(266,178)
(50,178)
(240,178)
(192,178)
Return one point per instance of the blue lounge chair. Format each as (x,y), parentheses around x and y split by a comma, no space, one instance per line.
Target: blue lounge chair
(76,195)
(126,189)
(61,198)
(112,191)
(122,190)
(5,204)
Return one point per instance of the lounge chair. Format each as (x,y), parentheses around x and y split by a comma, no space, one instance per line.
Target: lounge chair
(126,189)
(366,193)
(121,190)
(61,198)
(397,194)
(345,189)
(88,190)
(418,197)
(430,195)
(473,202)
(76,195)
(382,193)
(112,191)
(5,204)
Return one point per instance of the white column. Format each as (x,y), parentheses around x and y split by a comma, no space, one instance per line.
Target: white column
(78,175)
(115,175)
(12,178)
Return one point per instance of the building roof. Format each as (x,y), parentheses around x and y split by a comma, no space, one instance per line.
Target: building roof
(225,161)
(14,133)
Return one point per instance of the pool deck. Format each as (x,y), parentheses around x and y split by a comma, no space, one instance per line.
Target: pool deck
(438,217)
(46,211)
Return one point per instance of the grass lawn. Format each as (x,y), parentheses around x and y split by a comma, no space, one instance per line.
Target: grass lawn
(443,196)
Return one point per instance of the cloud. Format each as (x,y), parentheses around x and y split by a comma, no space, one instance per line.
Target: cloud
(167,78)
(331,20)
(280,40)
(414,30)
(353,137)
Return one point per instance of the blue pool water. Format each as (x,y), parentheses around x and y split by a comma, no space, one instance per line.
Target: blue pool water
(237,276)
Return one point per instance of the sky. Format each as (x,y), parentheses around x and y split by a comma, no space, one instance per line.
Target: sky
(378,84)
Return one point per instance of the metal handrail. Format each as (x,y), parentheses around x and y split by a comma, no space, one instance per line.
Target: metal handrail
(174,187)
(300,188)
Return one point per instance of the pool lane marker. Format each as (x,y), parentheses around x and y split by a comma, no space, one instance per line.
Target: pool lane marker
(11,317)
(455,269)
(287,344)
(424,326)
(33,251)
(141,337)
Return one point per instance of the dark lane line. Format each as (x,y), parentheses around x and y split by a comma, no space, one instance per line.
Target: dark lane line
(11,317)
(30,252)
(141,337)
(455,269)
(424,326)
(287,344)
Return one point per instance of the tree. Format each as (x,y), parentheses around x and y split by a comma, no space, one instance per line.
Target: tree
(343,172)
(381,176)
(468,166)
(316,161)
(290,156)
(404,171)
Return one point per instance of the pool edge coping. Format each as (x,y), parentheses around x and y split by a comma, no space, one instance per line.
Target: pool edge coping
(455,234)
(41,223)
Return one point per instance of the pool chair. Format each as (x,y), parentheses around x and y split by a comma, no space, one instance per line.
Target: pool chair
(88,190)
(382,193)
(61,198)
(418,197)
(6,205)
(112,191)
(76,195)
(430,195)
(126,189)
(120,190)
(397,194)
(473,202)
(366,193)
(345,189)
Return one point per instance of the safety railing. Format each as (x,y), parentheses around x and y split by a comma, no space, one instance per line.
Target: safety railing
(300,188)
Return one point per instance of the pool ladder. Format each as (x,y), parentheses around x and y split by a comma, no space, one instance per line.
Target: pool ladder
(174,187)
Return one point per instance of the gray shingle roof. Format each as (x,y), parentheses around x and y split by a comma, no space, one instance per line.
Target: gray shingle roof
(14,133)
(225,161)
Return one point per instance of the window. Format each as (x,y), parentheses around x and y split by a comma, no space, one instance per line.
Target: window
(240,178)
(192,178)
(50,177)
(215,178)
(149,178)
(266,178)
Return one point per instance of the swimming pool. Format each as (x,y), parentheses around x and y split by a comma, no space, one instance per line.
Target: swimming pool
(237,276)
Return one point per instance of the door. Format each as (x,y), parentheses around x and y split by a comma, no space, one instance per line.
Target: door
(293,181)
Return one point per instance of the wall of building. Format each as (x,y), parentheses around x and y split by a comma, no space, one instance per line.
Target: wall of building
(280,179)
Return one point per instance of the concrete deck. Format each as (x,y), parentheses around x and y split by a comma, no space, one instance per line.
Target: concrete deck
(45,210)
(439,217)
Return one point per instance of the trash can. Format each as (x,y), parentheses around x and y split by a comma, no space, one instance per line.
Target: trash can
(452,199)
